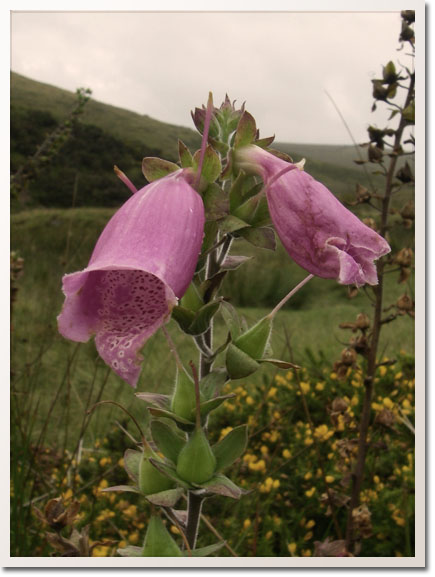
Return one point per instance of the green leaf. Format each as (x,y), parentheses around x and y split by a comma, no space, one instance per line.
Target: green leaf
(246,130)
(239,364)
(212,404)
(132,461)
(192,300)
(211,167)
(262,237)
(389,72)
(231,447)
(184,154)
(204,551)
(166,498)
(209,287)
(155,168)
(261,217)
(170,415)
(158,542)
(264,142)
(221,485)
(280,364)
(203,317)
(216,202)
(233,262)
(247,210)
(231,318)
(161,401)
(167,440)
(183,316)
(231,224)
(169,471)
(121,489)
(211,384)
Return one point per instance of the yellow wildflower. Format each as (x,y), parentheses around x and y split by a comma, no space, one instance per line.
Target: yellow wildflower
(292,548)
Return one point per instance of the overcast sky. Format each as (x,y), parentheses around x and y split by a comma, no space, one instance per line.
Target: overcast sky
(164,64)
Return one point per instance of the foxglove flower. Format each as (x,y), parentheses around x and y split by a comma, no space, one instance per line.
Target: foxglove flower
(317,231)
(142,263)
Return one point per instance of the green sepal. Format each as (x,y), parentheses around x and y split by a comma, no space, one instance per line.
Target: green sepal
(170,472)
(195,324)
(204,551)
(212,383)
(221,485)
(212,404)
(121,489)
(196,461)
(158,542)
(183,401)
(233,262)
(161,401)
(131,463)
(262,237)
(154,168)
(243,187)
(166,498)
(168,442)
(285,365)
(246,211)
(231,318)
(151,480)
(232,224)
(239,364)
(409,113)
(184,317)
(192,300)
(262,216)
(264,142)
(201,322)
(246,131)
(211,167)
(216,202)
(254,341)
(184,154)
(389,73)
(230,448)
(183,424)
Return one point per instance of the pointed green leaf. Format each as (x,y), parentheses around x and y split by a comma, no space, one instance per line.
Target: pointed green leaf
(264,142)
(231,224)
(232,262)
(263,237)
(221,485)
(209,287)
(183,317)
(184,154)
(121,489)
(216,202)
(213,404)
(280,364)
(262,216)
(211,167)
(203,317)
(166,498)
(170,415)
(158,542)
(161,401)
(192,300)
(167,440)
(155,168)
(231,447)
(246,130)
(212,383)
(231,318)
(253,342)
(239,364)
(409,113)
(132,460)
(169,471)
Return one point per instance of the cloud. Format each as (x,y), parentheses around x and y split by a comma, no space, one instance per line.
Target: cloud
(164,64)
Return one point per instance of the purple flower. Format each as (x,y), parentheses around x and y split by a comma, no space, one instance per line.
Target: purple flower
(317,231)
(142,263)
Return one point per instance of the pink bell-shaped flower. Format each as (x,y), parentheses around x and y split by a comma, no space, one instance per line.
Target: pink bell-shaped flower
(142,263)
(318,232)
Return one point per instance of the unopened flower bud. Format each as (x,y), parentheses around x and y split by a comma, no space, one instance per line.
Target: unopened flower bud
(348,356)
(362,321)
(196,461)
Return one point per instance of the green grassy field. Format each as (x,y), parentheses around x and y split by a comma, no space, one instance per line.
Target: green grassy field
(48,368)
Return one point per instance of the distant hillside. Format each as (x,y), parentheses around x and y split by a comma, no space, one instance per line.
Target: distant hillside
(107,135)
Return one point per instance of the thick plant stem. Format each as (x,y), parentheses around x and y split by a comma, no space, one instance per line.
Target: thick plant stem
(194,506)
(358,472)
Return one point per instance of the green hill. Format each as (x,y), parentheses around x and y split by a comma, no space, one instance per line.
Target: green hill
(82,173)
